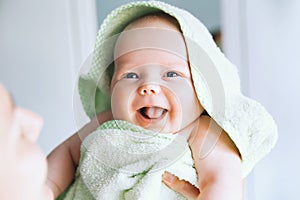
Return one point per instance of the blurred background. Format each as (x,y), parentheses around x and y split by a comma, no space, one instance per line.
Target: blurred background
(44,43)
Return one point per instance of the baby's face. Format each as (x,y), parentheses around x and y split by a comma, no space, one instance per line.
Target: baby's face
(152,86)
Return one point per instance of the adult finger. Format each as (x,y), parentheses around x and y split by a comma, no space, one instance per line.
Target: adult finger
(183,187)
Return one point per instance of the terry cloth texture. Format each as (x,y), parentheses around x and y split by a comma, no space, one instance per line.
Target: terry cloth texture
(215,79)
(123,161)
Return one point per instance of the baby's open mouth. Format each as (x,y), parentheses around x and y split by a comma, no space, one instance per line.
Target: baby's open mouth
(152,112)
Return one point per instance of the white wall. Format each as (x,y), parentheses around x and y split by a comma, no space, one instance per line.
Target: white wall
(206,10)
(41,49)
(43,43)
(262,37)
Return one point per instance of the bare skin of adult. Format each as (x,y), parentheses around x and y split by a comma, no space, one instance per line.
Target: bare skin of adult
(23,166)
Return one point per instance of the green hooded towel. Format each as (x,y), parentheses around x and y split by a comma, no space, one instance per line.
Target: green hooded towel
(116,166)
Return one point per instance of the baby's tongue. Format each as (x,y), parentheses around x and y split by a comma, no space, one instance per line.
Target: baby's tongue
(154,112)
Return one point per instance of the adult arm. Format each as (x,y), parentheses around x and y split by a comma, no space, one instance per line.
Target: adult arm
(64,159)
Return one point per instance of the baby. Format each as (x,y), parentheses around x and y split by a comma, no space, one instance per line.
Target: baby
(155,93)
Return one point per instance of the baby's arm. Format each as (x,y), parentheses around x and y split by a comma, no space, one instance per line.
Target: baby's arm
(219,171)
(64,159)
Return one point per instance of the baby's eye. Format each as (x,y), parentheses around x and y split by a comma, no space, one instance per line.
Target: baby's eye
(172,74)
(131,75)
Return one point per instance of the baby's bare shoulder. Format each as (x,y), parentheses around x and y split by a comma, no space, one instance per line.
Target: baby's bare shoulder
(208,136)
(210,146)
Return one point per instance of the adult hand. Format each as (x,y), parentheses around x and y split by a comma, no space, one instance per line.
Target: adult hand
(211,146)
(23,165)
(183,187)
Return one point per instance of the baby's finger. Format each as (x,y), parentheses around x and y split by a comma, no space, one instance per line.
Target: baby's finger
(183,187)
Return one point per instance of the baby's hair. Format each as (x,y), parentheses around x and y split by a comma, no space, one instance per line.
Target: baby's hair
(154,16)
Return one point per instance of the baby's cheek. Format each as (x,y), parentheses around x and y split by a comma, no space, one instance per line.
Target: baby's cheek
(121,97)
(187,102)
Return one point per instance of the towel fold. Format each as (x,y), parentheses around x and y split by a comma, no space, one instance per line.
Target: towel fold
(124,161)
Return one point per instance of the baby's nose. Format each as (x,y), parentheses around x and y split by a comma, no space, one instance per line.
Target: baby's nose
(149,89)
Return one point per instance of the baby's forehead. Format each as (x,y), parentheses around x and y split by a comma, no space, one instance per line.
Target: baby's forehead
(150,33)
(150,38)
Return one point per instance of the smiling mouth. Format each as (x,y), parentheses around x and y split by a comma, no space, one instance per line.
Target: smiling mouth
(152,113)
